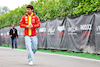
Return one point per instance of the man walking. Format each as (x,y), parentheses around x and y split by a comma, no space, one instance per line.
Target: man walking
(30,22)
(13,35)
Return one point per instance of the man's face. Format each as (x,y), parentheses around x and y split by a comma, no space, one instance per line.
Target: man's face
(29,10)
(13,26)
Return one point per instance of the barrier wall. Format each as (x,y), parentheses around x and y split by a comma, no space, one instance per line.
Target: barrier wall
(79,34)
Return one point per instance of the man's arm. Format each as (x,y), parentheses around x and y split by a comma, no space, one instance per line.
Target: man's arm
(16,33)
(22,22)
(37,25)
(10,33)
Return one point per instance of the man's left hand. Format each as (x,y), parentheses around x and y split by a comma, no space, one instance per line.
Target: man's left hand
(31,26)
(17,37)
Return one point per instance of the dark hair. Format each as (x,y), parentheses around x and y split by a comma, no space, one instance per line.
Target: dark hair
(30,6)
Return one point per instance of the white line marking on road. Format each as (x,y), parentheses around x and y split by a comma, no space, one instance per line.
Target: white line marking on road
(70,56)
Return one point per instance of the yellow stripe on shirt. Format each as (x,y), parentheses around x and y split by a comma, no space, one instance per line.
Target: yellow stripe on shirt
(29,24)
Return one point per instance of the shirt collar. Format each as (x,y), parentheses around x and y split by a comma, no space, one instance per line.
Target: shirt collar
(31,14)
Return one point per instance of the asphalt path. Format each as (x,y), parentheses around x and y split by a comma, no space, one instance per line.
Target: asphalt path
(18,58)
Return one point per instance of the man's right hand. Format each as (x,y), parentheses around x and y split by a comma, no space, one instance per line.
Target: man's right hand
(28,26)
(10,35)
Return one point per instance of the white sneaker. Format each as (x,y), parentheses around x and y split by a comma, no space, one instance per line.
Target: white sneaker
(30,63)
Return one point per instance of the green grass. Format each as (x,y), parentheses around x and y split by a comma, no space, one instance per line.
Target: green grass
(86,55)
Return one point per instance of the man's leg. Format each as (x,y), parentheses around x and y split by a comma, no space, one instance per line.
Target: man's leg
(34,43)
(28,47)
(12,42)
(15,40)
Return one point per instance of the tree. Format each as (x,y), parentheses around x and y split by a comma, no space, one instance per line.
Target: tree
(48,9)
(3,10)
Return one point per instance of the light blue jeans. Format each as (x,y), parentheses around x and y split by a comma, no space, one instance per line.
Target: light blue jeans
(31,46)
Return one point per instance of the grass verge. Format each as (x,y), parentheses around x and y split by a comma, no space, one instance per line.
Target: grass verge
(86,55)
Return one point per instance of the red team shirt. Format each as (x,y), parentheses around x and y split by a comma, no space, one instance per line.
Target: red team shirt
(27,20)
